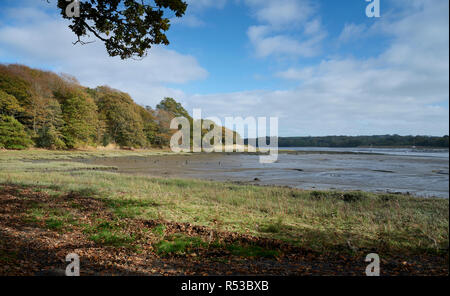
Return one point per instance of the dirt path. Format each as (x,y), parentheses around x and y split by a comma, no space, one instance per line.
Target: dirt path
(38,230)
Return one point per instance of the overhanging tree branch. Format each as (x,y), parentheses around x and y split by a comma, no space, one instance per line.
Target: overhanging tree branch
(133,26)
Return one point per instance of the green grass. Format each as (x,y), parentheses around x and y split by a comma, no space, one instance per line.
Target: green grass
(109,233)
(316,220)
(55,224)
(35,214)
(159,230)
(109,238)
(131,208)
(275,227)
(53,219)
(251,251)
(179,244)
(41,154)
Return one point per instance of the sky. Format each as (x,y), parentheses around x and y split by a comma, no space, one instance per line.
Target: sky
(322,67)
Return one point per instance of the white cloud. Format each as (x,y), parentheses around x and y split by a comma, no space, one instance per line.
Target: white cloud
(47,40)
(280,13)
(342,107)
(313,27)
(404,90)
(195,9)
(296,74)
(288,28)
(266,44)
(352,32)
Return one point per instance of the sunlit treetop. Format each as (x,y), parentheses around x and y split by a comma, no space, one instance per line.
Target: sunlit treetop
(128,28)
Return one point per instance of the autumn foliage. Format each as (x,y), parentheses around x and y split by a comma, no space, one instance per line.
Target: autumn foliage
(43,109)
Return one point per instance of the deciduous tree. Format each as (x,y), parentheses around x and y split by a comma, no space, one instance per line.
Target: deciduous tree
(128,28)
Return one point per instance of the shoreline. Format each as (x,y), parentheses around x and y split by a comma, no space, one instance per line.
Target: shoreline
(308,172)
(191,225)
(199,167)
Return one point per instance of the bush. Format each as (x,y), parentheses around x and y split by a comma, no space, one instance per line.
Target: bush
(353,196)
(12,134)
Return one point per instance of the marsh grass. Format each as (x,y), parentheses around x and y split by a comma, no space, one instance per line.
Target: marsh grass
(55,155)
(317,220)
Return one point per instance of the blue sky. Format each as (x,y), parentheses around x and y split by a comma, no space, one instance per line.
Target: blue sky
(220,44)
(322,67)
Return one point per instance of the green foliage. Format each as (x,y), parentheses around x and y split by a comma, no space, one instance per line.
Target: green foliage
(9,104)
(15,86)
(58,113)
(150,127)
(49,133)
(50,138)
(124,123)
(12,134)
(151,132)
(128,28)
(173,107)
(80,116)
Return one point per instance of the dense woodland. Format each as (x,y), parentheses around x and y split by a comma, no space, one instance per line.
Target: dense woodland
(47,110)
(364,141)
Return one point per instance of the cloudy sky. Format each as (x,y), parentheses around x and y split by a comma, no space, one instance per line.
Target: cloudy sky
(323,67)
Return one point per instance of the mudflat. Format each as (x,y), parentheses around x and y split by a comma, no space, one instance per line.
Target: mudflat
(415,175)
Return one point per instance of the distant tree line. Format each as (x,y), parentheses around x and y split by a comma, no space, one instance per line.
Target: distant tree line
(364,141)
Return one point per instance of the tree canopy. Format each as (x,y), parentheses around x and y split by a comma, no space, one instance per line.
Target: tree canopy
(54,111)
(175,108)
(128,28)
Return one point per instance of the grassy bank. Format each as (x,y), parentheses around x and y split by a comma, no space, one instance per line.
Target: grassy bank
(323,221)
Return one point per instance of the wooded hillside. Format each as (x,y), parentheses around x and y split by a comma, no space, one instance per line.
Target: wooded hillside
(43,109)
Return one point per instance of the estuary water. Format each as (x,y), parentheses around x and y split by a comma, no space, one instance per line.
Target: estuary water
(424,152)
(418,172)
